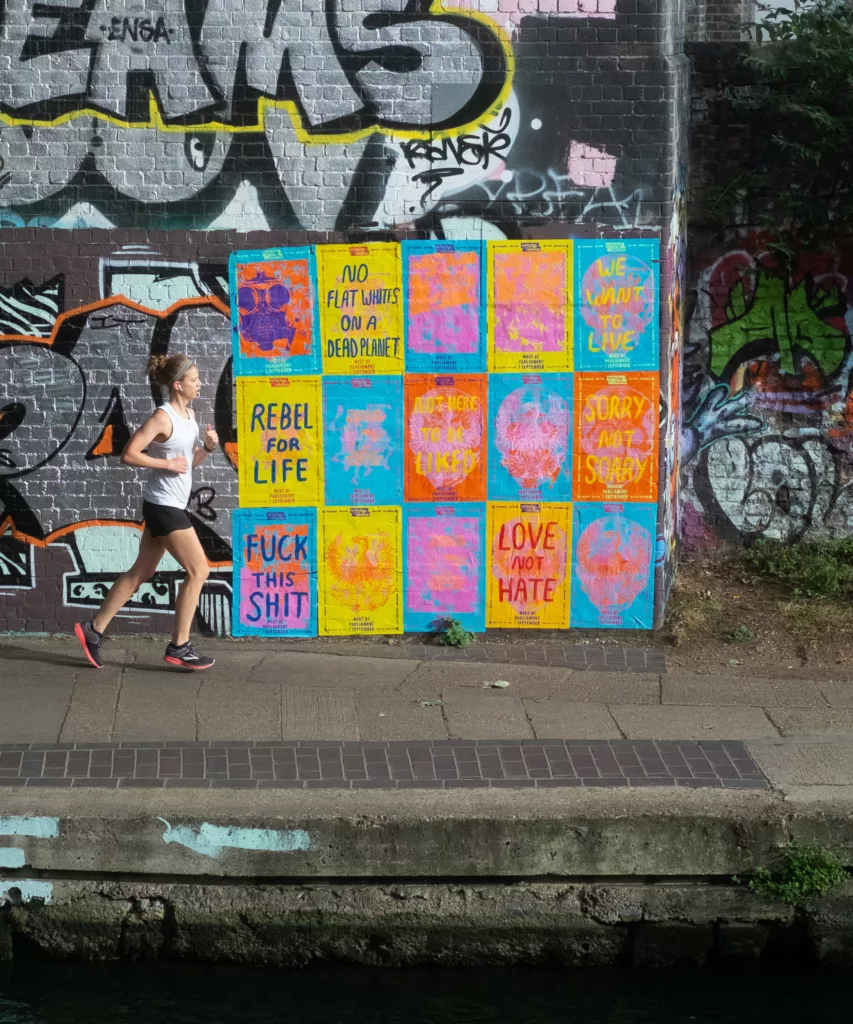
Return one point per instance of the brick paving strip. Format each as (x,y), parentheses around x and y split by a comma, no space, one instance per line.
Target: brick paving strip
(439,764)
(594,657)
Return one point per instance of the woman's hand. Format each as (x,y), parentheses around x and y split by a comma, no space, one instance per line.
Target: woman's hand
(178,465)
(211,438)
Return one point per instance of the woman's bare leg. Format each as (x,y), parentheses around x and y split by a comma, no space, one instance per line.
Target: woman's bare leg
(151,550)
(185,547)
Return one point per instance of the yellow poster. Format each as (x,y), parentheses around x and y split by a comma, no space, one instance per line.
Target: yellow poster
(279,432)
(361,312)
(361,570)
(529,565)
(530,306)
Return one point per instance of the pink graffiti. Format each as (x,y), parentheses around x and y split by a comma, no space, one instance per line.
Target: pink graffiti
(530,301)
(613,562)
(444,303)
(591,167)
(443,564)
(532,435)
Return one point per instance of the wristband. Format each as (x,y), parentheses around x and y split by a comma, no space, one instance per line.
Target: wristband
(209,450)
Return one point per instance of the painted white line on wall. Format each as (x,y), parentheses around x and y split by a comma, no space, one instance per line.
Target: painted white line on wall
(211,840)
(29,890)
(11,857)
(38,828)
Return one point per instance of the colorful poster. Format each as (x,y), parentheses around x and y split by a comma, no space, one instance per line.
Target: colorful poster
(278,434)
(530,306)
(361,307)
(617,284)
(445,437)
(616,436)
(530,437)
(361,571)
(273,321)
(275,572)
(445,558)
(363,440)
(444,307)
(529,549)
(613,565)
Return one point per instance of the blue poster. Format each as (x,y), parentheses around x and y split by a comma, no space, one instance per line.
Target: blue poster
(444,550)
(617,290)
(530,436)
(444,308)
(275,572)
(613,572)
(363,440)
(274,314)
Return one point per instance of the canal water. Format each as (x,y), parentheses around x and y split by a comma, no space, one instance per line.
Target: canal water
(50,993)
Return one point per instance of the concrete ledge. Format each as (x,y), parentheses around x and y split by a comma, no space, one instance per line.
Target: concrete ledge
(417,834)
(414,924)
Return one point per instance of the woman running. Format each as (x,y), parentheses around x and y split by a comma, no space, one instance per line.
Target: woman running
(167,445)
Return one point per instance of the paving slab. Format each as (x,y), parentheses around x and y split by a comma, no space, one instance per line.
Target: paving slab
(238,710)
(555,718)
(812,721)
(838,694)
(485,714)
(391,716)
(805,764)
(330,670)
(316,713)
(92,710)
(525,680)
(155,705)
(690,689)
(679,722)
(33,708)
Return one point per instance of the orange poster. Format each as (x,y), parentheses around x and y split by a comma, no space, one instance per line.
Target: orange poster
(445,437)
(616,436)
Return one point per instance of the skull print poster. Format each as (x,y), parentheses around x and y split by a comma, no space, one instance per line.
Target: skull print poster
(273,321)
(445,556)
(530,425)
(275,572)
(617,284)
(361,570)
(363,440)
(445,440)
(613,565)
(528,580)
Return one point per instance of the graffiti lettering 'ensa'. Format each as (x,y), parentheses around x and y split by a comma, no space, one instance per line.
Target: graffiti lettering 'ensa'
(379,64)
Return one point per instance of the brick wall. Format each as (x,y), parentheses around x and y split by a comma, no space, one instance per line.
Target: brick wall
(139,148)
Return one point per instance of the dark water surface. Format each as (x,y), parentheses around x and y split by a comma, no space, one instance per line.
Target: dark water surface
(131,994)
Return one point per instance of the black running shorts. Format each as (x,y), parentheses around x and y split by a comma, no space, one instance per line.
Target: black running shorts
(162,520)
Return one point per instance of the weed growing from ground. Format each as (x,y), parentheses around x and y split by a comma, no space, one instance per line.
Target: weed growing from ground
(807,870)
(815,569)
(455,634)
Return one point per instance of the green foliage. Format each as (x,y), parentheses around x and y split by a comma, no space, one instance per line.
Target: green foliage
(455,634)
(799,105)
(806,871)
(817,569)
(740,635)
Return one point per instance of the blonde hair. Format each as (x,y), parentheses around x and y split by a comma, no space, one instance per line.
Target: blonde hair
(164,371)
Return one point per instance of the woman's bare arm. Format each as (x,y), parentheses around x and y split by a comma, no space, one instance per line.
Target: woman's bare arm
(133,454)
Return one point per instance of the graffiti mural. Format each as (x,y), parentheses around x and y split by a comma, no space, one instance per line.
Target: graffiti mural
(767,433)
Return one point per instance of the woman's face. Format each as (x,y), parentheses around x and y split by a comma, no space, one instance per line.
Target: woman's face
(189,385)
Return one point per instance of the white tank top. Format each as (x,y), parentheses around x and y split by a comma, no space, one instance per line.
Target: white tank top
(162,487)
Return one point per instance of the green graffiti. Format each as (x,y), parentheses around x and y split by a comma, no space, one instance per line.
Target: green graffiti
(782,317)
